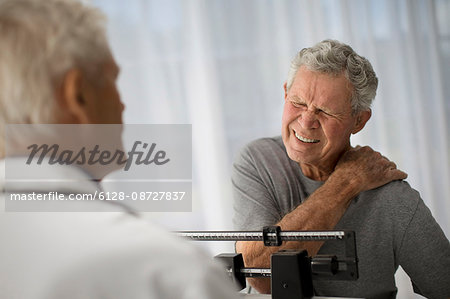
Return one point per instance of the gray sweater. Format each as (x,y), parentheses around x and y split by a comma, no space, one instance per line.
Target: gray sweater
(392,224)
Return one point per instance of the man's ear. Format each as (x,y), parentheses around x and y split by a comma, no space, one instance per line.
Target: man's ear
(285,90)
(72,100)
(361,120)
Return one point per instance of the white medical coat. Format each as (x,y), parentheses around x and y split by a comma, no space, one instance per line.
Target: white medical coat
(54,255)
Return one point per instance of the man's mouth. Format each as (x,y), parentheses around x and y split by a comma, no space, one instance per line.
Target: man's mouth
(304,139)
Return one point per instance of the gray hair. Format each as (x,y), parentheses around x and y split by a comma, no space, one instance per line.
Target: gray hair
(333,57)
(40,41)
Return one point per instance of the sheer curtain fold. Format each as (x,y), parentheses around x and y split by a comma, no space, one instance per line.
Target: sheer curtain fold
(202,97)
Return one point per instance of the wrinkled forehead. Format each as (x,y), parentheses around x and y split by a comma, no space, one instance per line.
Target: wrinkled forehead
(323,87)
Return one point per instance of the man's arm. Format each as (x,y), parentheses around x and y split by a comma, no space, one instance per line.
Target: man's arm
(424,253)
(358,170)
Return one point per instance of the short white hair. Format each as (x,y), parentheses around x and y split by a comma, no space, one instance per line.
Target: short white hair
(334,58)
(40,41)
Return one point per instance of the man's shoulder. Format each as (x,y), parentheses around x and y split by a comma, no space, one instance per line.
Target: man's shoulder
(396,195)
(266,154)
(262,148)
(265,143)
(163,261)
(125,232)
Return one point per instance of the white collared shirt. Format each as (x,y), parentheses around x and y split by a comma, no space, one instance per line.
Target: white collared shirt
(98,255)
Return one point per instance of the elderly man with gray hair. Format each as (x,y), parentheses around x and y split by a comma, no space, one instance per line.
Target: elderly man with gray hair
(311,178)
(56,68)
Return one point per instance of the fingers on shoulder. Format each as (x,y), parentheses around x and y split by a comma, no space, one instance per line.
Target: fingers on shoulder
(397,174)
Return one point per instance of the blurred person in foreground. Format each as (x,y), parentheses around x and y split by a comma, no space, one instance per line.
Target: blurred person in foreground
(311,178)
(56,68)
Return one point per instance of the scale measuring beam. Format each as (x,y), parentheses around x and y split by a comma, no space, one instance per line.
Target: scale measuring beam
(260,236)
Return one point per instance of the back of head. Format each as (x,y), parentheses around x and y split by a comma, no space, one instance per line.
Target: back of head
(334,58)
(40,41)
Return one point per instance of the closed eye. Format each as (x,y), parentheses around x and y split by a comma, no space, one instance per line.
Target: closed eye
(321,111)
(297,104)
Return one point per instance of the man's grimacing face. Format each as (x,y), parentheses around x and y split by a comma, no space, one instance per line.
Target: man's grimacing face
(317,118)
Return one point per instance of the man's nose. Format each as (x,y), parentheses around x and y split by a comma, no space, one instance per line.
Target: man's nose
(308,120)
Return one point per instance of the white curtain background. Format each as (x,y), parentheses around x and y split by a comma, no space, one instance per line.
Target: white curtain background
(221,64)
